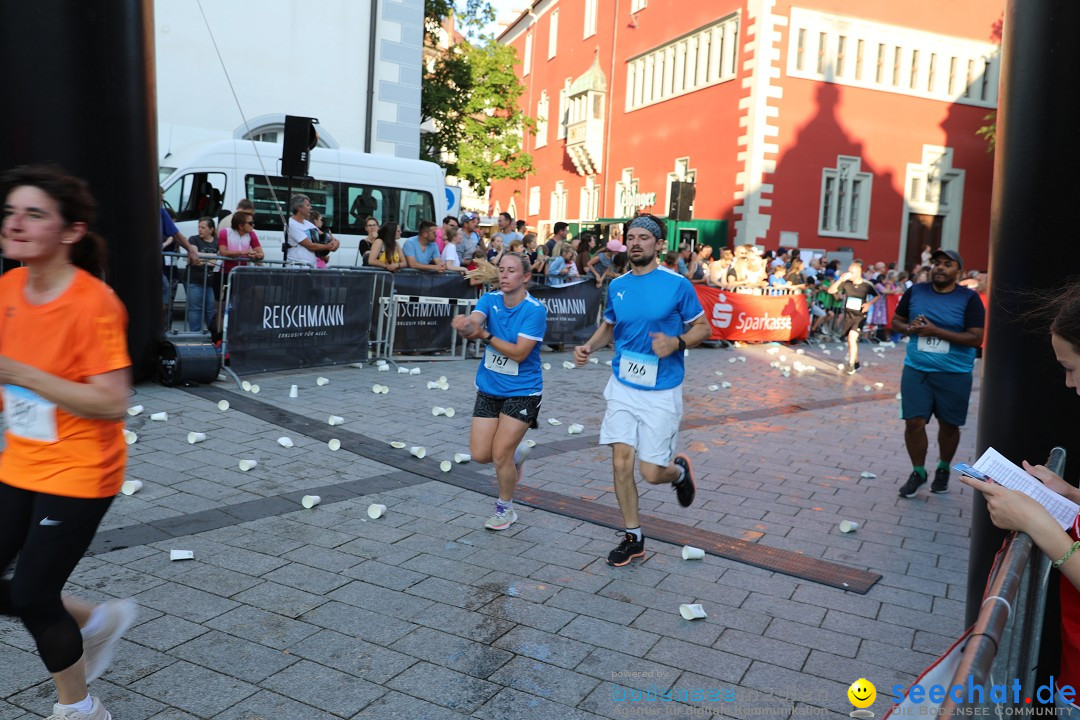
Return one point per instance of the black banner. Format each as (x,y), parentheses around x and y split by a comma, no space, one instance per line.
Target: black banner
(572,311)
(284,318)
(425,326)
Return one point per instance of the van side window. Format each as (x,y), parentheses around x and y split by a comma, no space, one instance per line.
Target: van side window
(269,214)
(405,207)
(196,195)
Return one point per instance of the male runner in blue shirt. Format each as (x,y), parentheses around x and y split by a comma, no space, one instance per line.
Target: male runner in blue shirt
(947,327)
(646,313)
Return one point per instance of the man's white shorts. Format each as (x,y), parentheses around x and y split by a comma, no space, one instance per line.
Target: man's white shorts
(646,420)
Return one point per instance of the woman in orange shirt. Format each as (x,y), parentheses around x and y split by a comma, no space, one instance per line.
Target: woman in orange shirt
(66,379)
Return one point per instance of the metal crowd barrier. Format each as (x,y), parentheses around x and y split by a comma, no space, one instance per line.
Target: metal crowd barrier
(388,318)
(1007,634)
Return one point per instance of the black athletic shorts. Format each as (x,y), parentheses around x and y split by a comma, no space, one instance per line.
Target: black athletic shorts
(525,408)
(852,321)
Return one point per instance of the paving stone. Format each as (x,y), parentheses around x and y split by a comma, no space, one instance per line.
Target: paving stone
(225,583)
(266,705)
(452,593)
(813,637)
(547,681)
(325,688)
(363,624)
(280,599)
(518,610)
(133,662)
(669,623)
(579,580)
(352,655)
(164,632)
(193,689)
(543,646)
(397,705)
(322,558)
(233,656)
(780,608)
(483,628)
(185,602)
(756,647)
(306,578)
(720,665)
(609,635)
(628,670)
(370,597)
(453,652)
(510,704)
(261,626)
(618,610)
(441,567)
(444,687)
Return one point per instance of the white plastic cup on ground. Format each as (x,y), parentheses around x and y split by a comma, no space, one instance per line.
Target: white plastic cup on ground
(380,362)
(403,371)
(310,501)
(181,554)
(414,371)
(294,391)
(358,366)
(246,465)
(449,412)
(547,366)
(320,381)
(867,475)
(714,388)
(437,411)
(376,511)
(432,384)
(285,442)
(334,444)
(195,437)
(130,437)
(245,386)
(692,553)
(160,416)
(384,368)
(444,386)
(847,526)
(692,612)
(445,465)
(418,452)
(725,385)
(254,389)
(568,365)
(554,421)
(594,361)
(531,443)
(135,410)
(397,444)
(376,388)
(575,429)
(462,457)
(732,360)
(223,405)
(335,420)
(130,487)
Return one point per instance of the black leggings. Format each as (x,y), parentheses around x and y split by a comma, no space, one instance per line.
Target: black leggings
(49,534)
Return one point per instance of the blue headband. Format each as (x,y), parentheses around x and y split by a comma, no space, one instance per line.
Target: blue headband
(647,223)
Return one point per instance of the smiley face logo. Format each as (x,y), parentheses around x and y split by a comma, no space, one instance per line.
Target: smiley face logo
(862,693)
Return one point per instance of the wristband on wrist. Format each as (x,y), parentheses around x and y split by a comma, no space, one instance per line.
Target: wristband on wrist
(1058,563)
(682,343)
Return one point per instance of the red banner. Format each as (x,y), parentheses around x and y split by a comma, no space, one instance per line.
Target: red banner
(755,318)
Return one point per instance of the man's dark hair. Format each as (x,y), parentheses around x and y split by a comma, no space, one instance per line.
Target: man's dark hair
(425,224)
(520,225)
(448,218)
(506,216)
(559,227)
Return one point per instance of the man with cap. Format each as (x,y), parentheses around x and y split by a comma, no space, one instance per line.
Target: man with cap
(945,322)
(647,312)
(470,239)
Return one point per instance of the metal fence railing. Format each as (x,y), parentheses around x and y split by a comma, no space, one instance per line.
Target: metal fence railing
(1006,638)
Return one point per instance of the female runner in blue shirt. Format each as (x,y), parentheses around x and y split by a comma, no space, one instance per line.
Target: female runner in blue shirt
(510,323)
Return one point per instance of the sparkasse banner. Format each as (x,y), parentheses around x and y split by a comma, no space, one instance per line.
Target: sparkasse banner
(754,318)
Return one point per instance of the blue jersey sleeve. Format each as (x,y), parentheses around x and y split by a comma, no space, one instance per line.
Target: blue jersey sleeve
(609,307)
(689,305)
(535,324)
(974,313)
(483,306)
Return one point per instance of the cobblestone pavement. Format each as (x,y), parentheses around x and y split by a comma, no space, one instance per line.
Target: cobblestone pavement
(298,614)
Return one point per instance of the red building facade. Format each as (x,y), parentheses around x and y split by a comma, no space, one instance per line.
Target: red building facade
(826,124)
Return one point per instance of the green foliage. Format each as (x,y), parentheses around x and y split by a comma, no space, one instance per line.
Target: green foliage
(470,94)
(989,131)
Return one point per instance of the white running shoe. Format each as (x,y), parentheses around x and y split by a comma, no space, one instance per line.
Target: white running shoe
(98,712)
(98,646)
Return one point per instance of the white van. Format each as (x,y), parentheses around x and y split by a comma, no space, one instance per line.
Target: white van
(345,186)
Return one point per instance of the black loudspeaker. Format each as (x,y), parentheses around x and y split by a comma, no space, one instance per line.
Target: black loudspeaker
(682,201)
(300,139)
(187,358)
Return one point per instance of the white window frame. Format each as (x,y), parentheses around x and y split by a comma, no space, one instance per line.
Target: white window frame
(627,183)
(542,108)
(512,209)
(834,208)
(553,34)
(965,71)
(564,110)
(697,60)
(638,5)
(589,200)
(589,25)
(558,202)
(534,201)
(527,61)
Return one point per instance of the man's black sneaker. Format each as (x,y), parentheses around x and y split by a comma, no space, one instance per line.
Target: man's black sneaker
(685,489)
(628,549)
(941,481)
(911,487)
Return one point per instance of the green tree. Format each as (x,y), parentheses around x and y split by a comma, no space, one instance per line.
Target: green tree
(989,131)
(470,100)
